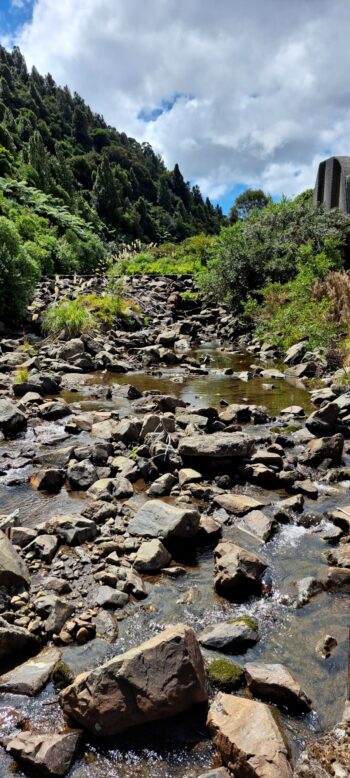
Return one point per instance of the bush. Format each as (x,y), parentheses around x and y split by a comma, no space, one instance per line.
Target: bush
(18,272)
(70,316)
(299,309)
(264,247)
(191,257)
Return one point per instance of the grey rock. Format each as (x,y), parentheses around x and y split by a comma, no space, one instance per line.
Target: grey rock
(151,557)
(106,597)
(13,571)
(230,637)
(12,420)
(157,519)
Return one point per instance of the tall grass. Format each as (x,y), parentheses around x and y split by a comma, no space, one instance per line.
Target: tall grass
(70,316)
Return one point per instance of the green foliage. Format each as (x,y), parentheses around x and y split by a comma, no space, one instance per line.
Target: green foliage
(247,202)
(291,312)
(193,256)
(64,149)
(88,312)
(225,675)
(21,375)
(18,271)
(264,247)
(70,316)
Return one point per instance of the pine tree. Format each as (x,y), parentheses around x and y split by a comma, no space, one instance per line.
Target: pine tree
(104,193)
(180,187)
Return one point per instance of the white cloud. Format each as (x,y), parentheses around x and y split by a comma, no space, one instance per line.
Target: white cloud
(263,87)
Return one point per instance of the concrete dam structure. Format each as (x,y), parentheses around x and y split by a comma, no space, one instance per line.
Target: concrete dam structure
(332,187)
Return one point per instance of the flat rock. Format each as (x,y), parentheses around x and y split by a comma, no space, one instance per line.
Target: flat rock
(158,519)
(218,445)
(49,754)
(249,736)
(230,637)
(13,571)
(273,682)
(259,524)
(160,678)
(238,503)
(74,530)
(31,676)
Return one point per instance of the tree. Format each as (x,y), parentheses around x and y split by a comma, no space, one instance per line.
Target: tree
(104,192)
(164,196)
(38,159)
(248,201)
(80,127)
(180,187)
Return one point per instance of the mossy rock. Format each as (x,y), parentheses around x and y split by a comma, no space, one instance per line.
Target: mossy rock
(247,620)
(225,675)
(62,675)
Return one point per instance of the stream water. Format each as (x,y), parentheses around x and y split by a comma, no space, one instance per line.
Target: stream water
(288,635)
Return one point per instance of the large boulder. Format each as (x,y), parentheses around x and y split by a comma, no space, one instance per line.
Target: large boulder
(13,571)
(160,678)
(231,445)
(249,737)
(48,754)
(323,448)
(323,421)
(12,420)
(274,683)
(158,519)
(237,572)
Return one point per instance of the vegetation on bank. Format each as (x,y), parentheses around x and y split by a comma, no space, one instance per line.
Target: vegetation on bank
(193,256)
(89,312)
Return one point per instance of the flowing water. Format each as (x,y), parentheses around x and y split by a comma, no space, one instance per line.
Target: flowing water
(288,635)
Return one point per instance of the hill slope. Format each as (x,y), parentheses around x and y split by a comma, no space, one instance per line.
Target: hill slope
(52,140)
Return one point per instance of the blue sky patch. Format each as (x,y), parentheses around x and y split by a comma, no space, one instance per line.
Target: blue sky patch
(13,14)
(152,114)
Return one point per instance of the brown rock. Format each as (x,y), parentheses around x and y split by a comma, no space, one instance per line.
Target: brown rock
(49,754)
(274,683)
(158,679)
(249,737)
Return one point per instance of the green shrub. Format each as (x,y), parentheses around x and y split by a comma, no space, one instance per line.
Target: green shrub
(290,312)
(68,315)
(18,272)
(264,247)
(225,675)
(21,375)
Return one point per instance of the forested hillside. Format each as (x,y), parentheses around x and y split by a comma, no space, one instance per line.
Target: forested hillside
(69,183)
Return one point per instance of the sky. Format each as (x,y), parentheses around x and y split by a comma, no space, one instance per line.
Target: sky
(240,94)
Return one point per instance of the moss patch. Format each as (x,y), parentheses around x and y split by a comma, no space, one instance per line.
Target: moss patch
(247,620)
(225,675)
(62,675)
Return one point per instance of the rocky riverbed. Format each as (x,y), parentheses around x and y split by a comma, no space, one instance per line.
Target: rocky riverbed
(174,548)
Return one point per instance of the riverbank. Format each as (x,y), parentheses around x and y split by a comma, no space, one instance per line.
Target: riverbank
(128,458)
